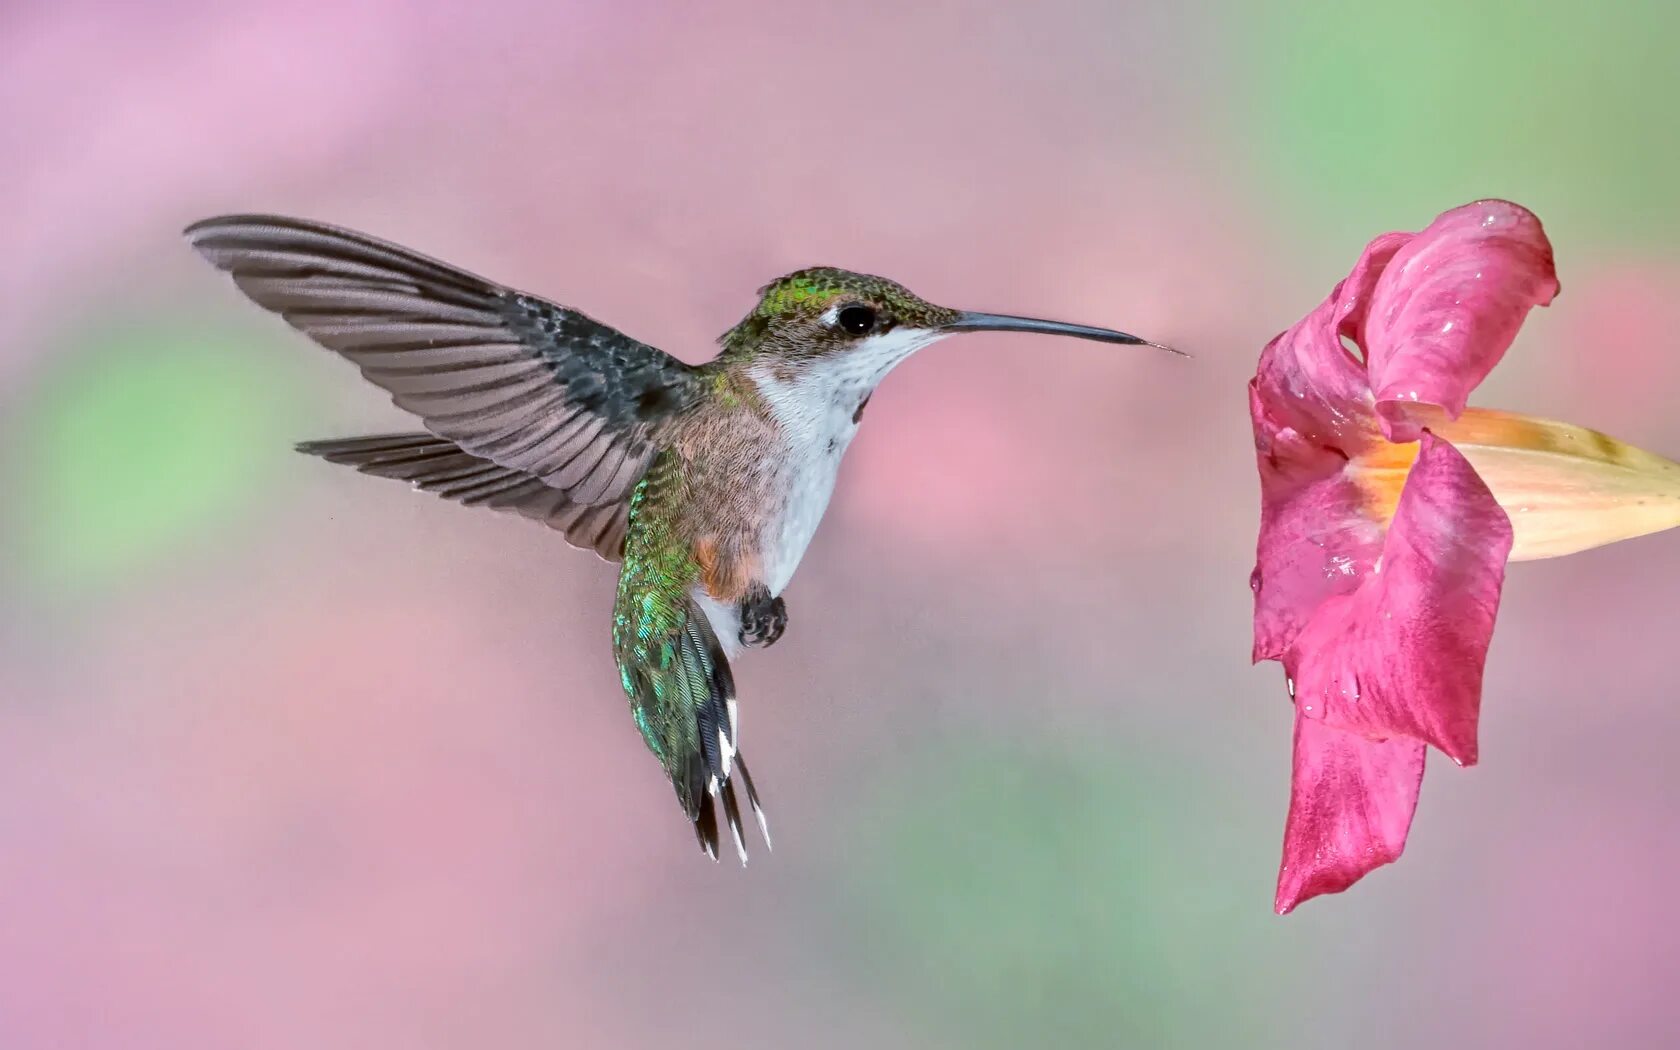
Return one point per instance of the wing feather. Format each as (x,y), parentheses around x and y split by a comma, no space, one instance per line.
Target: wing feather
(433,464)
(525,383)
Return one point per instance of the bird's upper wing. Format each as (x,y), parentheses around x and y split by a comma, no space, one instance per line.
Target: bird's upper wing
(512,378)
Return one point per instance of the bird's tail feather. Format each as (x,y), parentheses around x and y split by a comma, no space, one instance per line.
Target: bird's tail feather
(712,771)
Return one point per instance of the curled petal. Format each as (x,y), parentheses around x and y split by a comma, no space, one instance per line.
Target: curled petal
(1311,409)
(1448,305)
(1402,655)
(1350,806)
(1307,380)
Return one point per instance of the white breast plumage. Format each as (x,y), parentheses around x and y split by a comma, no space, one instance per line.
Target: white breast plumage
(817,411)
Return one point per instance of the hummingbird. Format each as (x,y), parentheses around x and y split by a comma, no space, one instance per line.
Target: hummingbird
(706,482)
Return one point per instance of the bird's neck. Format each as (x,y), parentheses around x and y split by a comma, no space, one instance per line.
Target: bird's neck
(838,378)
(817,402)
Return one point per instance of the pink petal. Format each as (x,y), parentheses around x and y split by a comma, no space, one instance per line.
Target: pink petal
(1311,410)
(1448,305)
(1403,654)
(1350,806)
(1315,542)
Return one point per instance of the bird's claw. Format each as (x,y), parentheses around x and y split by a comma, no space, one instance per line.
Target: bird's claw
(763,618)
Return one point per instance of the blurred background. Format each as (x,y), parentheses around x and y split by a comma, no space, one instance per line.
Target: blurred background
(293,757)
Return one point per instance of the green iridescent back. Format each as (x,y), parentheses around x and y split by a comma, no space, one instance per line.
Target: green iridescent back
(648,615)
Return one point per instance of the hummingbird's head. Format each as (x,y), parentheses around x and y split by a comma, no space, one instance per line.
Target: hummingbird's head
(823,311)
(826,312)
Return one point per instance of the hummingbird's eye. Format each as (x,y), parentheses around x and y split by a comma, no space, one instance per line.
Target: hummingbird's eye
(855,320)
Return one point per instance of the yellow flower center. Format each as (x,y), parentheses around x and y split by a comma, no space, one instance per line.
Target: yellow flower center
(1566,488)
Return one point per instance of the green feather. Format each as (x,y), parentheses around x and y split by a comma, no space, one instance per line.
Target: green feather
(672,668)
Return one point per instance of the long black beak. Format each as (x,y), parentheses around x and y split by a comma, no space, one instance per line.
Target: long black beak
(972,322)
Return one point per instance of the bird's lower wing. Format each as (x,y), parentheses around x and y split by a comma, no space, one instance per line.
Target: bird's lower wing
(434,464)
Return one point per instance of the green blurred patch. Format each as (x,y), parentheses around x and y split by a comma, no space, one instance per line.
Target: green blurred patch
(1372,109)
(136,444)
(1042,892)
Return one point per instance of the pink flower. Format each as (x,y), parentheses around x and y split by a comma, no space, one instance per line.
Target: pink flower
(1384,530)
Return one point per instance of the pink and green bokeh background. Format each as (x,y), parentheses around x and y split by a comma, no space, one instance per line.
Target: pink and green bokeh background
(291,757)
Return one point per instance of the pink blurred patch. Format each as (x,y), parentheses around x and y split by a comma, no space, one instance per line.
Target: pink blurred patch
(927,467)
(369,804)
(1620,329)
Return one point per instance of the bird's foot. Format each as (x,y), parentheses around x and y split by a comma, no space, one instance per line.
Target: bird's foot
(763,618)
